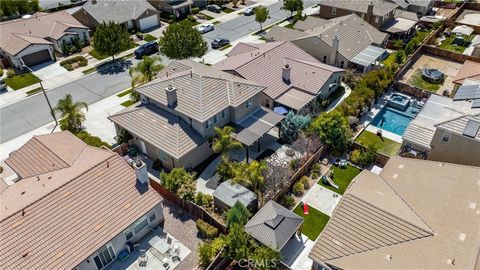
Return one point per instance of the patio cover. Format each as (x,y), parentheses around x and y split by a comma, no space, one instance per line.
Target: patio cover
(295,99)
(463,29)
(368,56)
(398,25)
(256,125)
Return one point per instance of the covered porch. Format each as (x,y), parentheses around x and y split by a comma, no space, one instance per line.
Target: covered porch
(294,99)
(368,58)
(254,127)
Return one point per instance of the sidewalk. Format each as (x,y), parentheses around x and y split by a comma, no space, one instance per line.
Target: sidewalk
(96,124)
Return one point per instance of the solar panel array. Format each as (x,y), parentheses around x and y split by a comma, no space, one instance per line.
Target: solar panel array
(471,129)
(467,92)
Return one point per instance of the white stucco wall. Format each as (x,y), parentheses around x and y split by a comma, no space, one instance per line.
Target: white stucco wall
(16,60)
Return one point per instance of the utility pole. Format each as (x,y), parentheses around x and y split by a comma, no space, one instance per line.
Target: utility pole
(46,97)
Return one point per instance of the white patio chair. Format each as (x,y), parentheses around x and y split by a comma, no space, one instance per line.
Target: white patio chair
(142,258)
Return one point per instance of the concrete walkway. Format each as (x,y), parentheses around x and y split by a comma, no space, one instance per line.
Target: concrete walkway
(322,199)
(339,100)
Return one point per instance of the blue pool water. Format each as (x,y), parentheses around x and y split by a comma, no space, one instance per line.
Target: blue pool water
(394,120)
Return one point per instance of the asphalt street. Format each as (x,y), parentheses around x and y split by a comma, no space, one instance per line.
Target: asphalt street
(32,112)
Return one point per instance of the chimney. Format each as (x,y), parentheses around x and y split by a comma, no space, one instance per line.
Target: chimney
(334,50)
(286,73)
(369,16)
(171,96)
(141,171)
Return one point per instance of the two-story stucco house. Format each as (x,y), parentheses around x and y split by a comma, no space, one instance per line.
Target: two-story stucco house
(33,41)
(74,207)
(294,78)
(181,107)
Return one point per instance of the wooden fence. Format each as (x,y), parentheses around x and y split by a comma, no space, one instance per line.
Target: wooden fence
(196,211)
(411,90)
(121,149)
(303,170)
(450,55)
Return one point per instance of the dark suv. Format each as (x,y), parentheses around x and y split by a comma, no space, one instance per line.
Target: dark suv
(214,8)
(146,49)
(220,42)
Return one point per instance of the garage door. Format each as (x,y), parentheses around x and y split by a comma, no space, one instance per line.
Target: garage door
(148,22)
(36,58)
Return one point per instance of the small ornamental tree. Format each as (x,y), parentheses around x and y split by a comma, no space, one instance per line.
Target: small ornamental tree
(111,39)
(238,214)
(292,6)
(180,182)
(182,41)
(291,126)
(261,15)
(333,130)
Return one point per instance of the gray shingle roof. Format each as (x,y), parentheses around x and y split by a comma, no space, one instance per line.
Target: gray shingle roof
(273,225)
(380,7)
(202,91)
(229,193)
(160,128)
(117,11)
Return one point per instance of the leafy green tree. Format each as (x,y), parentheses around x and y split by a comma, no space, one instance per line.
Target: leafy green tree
(333,130)
(364,156)
(399,56)
(238,244)
(209,249)
(292,6)
(261,15)
(398,44)
(180,182)
(18,7)
(269,258)
(224,142)
(182,41)
(252,176)
(291,126)
(143,72)
(238,214)
(111,39)
(71,114)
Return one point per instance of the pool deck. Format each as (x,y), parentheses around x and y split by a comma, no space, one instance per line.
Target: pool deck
(387,134)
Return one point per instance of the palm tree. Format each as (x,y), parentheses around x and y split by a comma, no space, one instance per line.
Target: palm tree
(224,142)
(143,72)
(71,114)
(251,176)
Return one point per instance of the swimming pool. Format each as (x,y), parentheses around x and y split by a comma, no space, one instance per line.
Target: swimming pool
(394,120)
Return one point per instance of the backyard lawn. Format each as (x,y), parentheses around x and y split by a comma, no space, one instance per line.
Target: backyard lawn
(417,81)
(22,80)
(342,177)
(385,146)
(448,44)
(313,223)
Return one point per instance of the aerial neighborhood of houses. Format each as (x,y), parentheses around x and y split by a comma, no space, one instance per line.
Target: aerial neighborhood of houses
(240,134)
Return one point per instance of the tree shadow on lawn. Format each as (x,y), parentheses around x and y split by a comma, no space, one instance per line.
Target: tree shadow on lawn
(114,67)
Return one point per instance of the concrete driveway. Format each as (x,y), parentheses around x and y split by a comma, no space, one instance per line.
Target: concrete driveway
(53,74)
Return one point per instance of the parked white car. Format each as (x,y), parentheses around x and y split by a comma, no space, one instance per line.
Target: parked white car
(204,28)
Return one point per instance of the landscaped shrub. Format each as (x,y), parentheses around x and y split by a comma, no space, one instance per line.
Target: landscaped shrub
(305,181)
(1,72)
(10,73)
(294,164)
(191,18)
(149,38)
(316,170)
(206,230)
(204,200)
(195,10)
(364,156)
(287,201)
(91,140)
(68,63)
(298,188)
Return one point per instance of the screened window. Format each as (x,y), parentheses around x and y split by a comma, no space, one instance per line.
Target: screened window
(334,10)
(140,224)
(151,216)
(249,103)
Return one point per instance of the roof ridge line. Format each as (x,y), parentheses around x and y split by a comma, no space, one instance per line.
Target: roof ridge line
(53,190)
(455,118)
(126,111)
(258,48)
(55,154)
(411,209)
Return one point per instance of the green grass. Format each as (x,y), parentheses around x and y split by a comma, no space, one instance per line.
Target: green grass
(290,25)
(390,60)
(417,81)
(100,56)
(22,80)
(208,18)
(313,223)
(124,93)
(342,177)
(148,38)
(89,70)
(33,91)
(448,44)
(225,47)
(385,146)
(228,10)
(216,22)
(127,103)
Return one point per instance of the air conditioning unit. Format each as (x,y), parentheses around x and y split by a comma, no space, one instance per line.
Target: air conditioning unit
(145,100)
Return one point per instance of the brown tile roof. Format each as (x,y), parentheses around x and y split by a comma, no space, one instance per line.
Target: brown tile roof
(16,35)
(160,128)
(279,33)
(118,11)
(469,70)
(408,217)
(264,66)
(57,220)
(354,33)
(202,91)
(380,7)
(309,23)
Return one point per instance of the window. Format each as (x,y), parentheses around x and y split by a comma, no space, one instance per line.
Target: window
(209,123)
(376,19)
(215,119)
(324,59)
(341,64)
(151,216)
(140,224)
(104,256)
(334,10)
(85,36)
(446,137)
(224,113)
(162,155)
(249,103)
(128,234)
